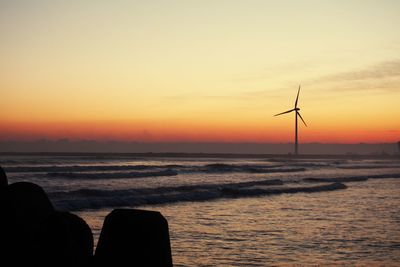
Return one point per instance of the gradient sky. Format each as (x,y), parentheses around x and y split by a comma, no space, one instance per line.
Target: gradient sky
(200,70)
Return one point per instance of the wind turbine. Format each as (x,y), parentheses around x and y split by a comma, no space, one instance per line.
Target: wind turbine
(297,113)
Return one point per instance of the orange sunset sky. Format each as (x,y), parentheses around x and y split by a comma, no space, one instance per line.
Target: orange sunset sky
(200,70)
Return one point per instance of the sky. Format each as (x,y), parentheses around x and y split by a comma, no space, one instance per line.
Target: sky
(200,71)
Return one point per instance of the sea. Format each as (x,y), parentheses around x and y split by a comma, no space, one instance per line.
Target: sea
(236,210)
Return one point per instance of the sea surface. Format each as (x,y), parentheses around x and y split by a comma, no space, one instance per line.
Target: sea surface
(237,211)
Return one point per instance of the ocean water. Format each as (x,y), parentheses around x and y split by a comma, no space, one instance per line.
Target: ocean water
(237,212)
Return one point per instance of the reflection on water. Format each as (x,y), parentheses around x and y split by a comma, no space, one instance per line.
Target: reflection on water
(356,226)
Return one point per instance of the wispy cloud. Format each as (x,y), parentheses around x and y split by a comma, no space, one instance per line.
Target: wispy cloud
(381,77)
(382,70)
(384,76)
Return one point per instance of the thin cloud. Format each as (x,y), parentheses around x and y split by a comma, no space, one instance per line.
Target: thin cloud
(384,70)
(381,77)
(384,77)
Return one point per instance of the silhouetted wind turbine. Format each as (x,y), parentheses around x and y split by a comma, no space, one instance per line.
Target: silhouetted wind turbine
(297,113)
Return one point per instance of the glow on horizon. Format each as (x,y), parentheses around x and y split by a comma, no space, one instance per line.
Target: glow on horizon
(201,71)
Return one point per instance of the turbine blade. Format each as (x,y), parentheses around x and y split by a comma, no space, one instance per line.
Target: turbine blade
(298,113)
(284,112)
(297,98)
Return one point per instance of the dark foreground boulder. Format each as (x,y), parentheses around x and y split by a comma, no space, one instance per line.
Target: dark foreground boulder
(25,206)
(28,205)
(64,239)
(33,233)
(131,237)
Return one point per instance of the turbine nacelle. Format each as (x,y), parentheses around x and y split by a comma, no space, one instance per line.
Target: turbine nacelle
(295,109)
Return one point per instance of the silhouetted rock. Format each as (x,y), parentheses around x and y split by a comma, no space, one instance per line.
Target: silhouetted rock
(131,237)
(6,221)
(32,233)
(3,178)
(64,239)
(29,205)
(25,207)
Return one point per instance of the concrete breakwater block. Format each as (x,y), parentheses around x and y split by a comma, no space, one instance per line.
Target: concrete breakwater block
(33,233)
(28,205)
(24,208)
(64,239)
(132,237)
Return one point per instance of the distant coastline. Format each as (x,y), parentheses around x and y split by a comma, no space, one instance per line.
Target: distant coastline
(197,149)
(205,155)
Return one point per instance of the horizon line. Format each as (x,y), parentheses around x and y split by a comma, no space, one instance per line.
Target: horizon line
(66,140)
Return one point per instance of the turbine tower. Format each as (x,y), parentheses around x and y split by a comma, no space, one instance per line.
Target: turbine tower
(297,114)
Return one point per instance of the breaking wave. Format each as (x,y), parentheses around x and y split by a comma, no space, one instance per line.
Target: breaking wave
(96,199)
(360,167)
(351,178)
(112,175)
(86,168)
(80,183)
(133,171)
